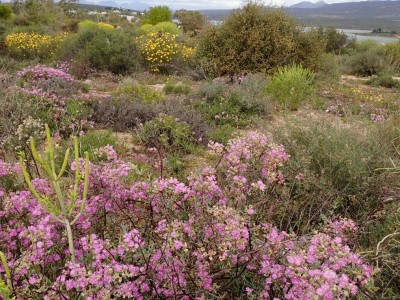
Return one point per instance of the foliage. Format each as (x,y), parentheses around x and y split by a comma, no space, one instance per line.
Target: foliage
(309,49)
(165,238)
(134,91)
(160,27)
(94,140)
(333,167)
(111,51)
(34,45)
(102,49)
(59,209)
(336,42)
(87,25)
(158,14)
(392,53)
(177,88)
(366,63)
(292,86)
(5,12)
(255,39)
(384,80)
(328,68)
(167,134)
(123,114)
(250,94)
(41,12)
(190,20)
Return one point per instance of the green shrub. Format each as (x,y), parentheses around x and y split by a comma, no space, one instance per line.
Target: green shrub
(123,114)
(392,54)
(366,63)
(250,95)
(256,39)
(177,88)
(158,14)
(5,12)
(337,163)
(163,26)
(329,67)
(221,134)
(336,42)
(93,140)
(211,92)
(135,91)
(367,45)
(102,49)
(384,80)
(291,86)
(167,134)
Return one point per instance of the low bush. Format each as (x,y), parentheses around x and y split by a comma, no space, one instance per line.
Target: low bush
(160,27)
(211,92)
(102,49)
(163,52)
(167,134)
(328,68)
(134,91)
(255,39)
(250,95)
(292,86)
(30,45)
(177,88)
(333,167)
(122,115)
(366,63)
(384,80)
(163,238)
(392,54)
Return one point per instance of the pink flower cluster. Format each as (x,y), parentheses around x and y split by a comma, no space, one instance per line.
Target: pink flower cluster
(43,72)
(168,239)
(58,88)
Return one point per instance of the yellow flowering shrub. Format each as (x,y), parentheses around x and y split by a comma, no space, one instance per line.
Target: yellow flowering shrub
(161,48)
(188,53)
(105,25)
(32,44)
(90,24)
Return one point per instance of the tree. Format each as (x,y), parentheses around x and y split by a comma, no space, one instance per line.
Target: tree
(190,20)
(158,14)
(336,42)
(257,39)
(5,12)
(42,11)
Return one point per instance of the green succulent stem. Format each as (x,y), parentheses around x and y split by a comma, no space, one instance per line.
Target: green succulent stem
(5,288)
(59,209)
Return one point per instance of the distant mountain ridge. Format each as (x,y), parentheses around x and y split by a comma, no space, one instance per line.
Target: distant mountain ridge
(308,4)
(353,10)
(136,5)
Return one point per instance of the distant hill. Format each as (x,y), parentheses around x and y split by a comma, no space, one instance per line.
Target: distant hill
(307,4)
(359,15)
(352,10)
(136,5)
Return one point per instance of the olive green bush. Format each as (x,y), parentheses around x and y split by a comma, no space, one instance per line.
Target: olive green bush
(256,39)
(335,169)
(102,49)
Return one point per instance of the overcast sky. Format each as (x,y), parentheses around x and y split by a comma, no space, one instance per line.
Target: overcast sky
(216,4)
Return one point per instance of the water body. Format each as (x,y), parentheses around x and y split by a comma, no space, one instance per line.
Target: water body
(357,33)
